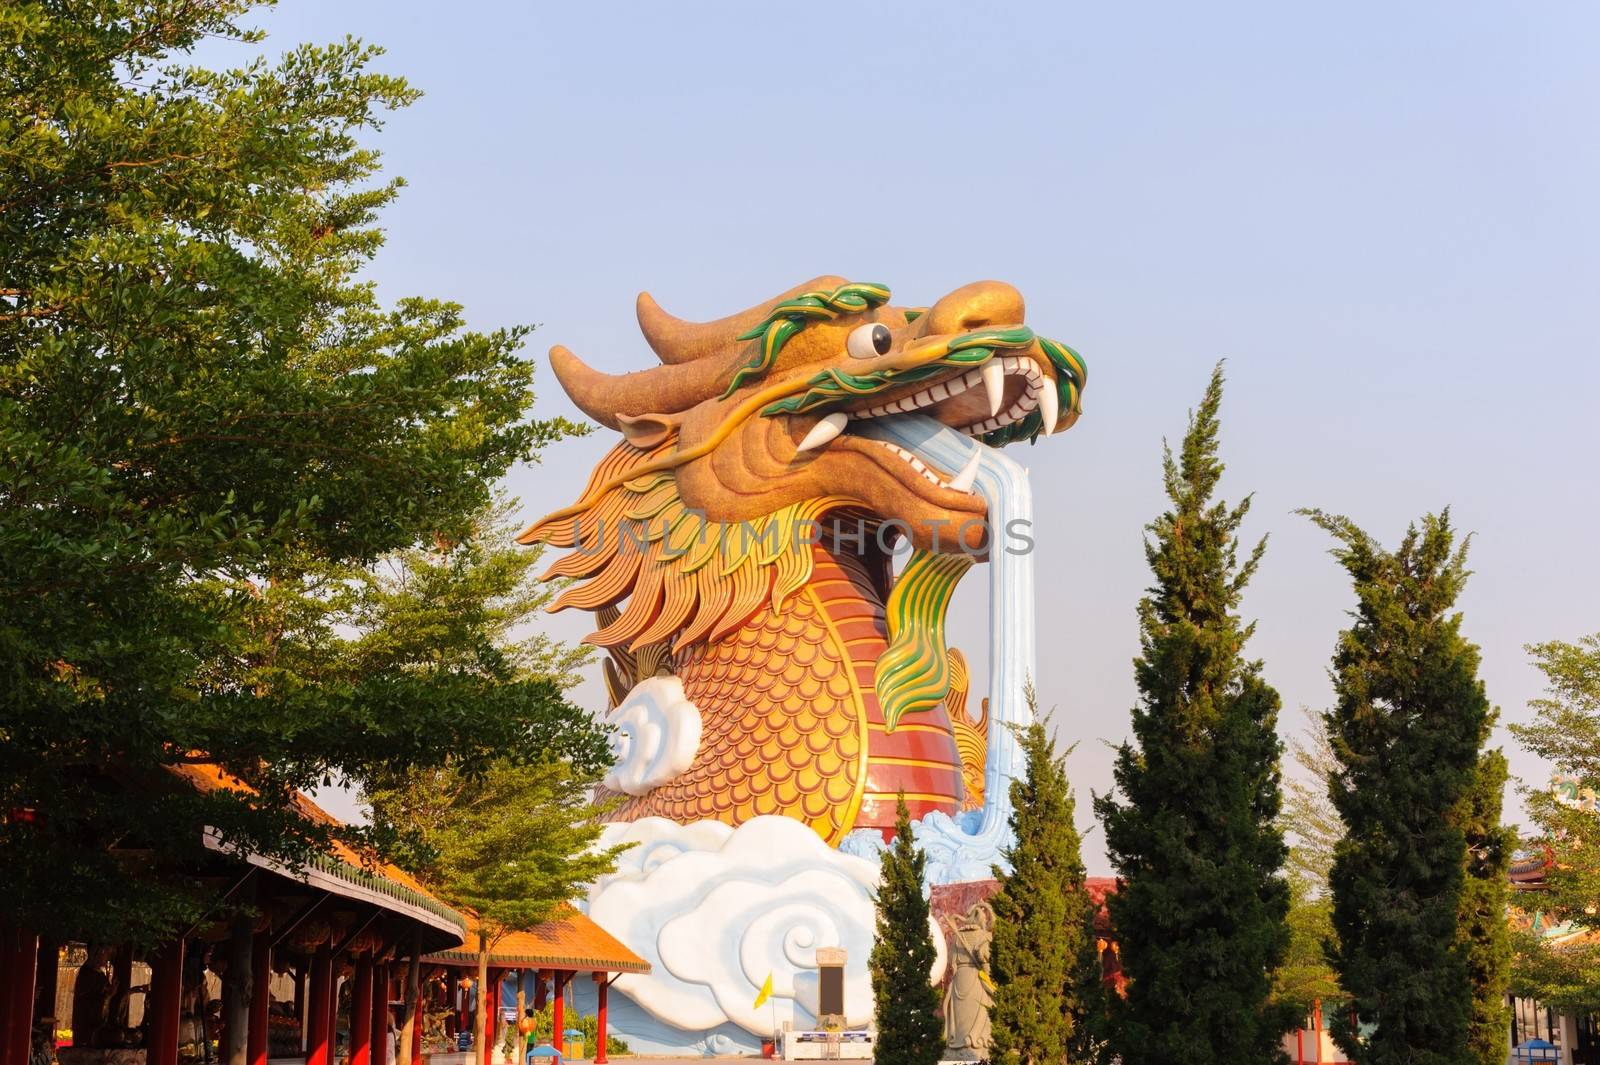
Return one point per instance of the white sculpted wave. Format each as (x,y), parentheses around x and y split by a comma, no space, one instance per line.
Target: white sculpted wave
(657,735)
(716,909)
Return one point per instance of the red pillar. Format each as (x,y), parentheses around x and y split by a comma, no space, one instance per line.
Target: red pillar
(602,985)
(558,1015)
(255,1044)
(496,979)
(319,1009)
(485,1017)
(8,943)
(19,961)
(361,1013)
(164,1004)
(380,1015)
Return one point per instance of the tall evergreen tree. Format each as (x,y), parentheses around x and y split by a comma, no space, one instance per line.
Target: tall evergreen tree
(1191,829)
(1038,911)
(905,1002)
(1483,932)
(1418,881)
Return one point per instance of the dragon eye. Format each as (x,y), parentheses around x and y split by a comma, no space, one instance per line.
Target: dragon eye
(868,341)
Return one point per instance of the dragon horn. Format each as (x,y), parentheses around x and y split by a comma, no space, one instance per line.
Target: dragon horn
(664,389)
(677,341)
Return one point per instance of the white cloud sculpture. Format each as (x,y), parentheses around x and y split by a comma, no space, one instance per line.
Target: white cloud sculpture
(657,735)
(716,909)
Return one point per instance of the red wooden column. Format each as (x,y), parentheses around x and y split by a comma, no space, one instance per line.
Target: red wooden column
(319,1009)
(19,962)
(558,1014)
(8,942)
(602,985)
(361,1013)
(380,1015)
(255,1043)
(497,994)
(164,1004)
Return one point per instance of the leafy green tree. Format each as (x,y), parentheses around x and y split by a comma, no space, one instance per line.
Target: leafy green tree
(905,1001)
(1561,976)
(508,841)
(1191,829)
(510,844)
(1309,820)
(1565,731)
(1312,826)
(206,415)
(1306,977)
(1038,911)
(1418,881)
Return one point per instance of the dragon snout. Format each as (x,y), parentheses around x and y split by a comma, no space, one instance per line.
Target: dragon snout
(980,305)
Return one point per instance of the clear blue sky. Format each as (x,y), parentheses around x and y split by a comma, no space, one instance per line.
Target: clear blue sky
(1383,215)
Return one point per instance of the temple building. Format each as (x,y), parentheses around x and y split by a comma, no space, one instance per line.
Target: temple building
(347,961)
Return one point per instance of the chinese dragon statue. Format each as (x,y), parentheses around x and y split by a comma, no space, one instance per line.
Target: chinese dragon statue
(735,548)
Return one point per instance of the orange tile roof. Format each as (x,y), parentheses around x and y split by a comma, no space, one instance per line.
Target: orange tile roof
(208,776)
(569,941)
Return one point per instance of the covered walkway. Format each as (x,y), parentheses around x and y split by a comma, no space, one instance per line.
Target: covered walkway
(341,939)
(528,968)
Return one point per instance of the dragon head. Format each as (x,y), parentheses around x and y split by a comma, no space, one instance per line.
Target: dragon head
(768,408)
(759,426)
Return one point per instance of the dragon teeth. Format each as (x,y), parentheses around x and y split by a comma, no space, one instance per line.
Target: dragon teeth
(994,383)
(1038,392)
(962,482)
(934,393)
(915,463)
(1049,409)
(824,431)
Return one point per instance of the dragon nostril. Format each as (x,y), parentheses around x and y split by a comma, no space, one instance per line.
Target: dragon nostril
(982,305)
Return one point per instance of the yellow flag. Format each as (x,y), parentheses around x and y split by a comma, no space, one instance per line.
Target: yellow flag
(766,992)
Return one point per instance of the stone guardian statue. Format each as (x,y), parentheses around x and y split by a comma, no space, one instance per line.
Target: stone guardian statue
(970,993)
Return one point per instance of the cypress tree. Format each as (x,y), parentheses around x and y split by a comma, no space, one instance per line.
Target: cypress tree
(905,1002)
(1418,881)
(1484,932)
(1200,914)
(1038,912)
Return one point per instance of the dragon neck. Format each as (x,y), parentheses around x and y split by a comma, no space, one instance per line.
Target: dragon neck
(821,680)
